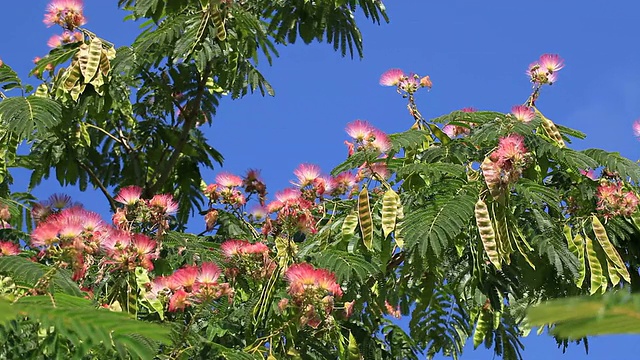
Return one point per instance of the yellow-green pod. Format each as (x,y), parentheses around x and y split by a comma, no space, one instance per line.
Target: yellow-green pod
(487,233)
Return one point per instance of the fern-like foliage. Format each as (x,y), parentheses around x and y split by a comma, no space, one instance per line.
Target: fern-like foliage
(431,229)
(441,325)
(24,115)
(68,316)
(27,273)
(347,265)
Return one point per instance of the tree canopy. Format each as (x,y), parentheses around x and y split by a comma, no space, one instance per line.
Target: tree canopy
(460,223)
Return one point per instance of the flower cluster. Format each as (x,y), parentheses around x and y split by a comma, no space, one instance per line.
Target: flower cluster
(544,70)
(366,137)
(7,248)
(67,37)
(504,166)
(636,128)
(247,258)
(523,113)
(190,285)
(66,13)
(70,235)
(613,200)
(127,251)
(453,131)
(293,212)
(312,184)
(408,84)
(154,211)
(312,289)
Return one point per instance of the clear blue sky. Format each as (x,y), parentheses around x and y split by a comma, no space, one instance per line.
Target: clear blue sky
(476,54)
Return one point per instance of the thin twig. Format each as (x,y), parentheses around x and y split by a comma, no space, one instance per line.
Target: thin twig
(98,183)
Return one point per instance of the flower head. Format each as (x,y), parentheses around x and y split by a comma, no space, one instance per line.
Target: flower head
(391,77)
(66,13)
(129,195)
(544,70)
(164,203)
(306,174)
(229,180)
(523,113)
(636,128)
(359,130)
(8,248)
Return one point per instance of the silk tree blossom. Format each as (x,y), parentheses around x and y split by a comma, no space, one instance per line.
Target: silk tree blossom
(591,174)
(380,141)
(391,77)
(359,130)
(544,70)
(304,279)
(228,180)
(636,128)
(129,195)
(505,165)
(511,151)
(245,258)
(306,174)
(312,290)
(66,13)
(163,203)
(8,248)
(523,113)
(67,37)
(614,200)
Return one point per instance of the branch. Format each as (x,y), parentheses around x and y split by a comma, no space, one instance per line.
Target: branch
(99,184)
(189,122)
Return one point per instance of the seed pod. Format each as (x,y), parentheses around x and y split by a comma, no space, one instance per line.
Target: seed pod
(491,174)
(598,280)
(576,246)
(551,129)
(483,326)
(487,234)
(349,225)
(364,215)
(389,211)
(609,249)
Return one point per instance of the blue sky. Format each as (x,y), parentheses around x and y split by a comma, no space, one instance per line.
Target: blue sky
(476,54)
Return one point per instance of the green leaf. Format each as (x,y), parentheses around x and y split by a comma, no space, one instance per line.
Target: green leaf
(27,273)
(577,317)
(23,115)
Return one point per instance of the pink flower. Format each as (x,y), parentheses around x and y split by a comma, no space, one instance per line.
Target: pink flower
(231,248)
(164,203)
(588,173)
(304,277)
(208,275)
(66,13)
(229,180)
(636,128)
(186,276)
(469,110)
(8,248)
(179,301)
(59,201)
(551,62)
(129,195)
(359,130)
(395,312)
(380,141)
(523,113)
(391,77)
(544,71)
(511,150)
(54,41)
(306,174)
